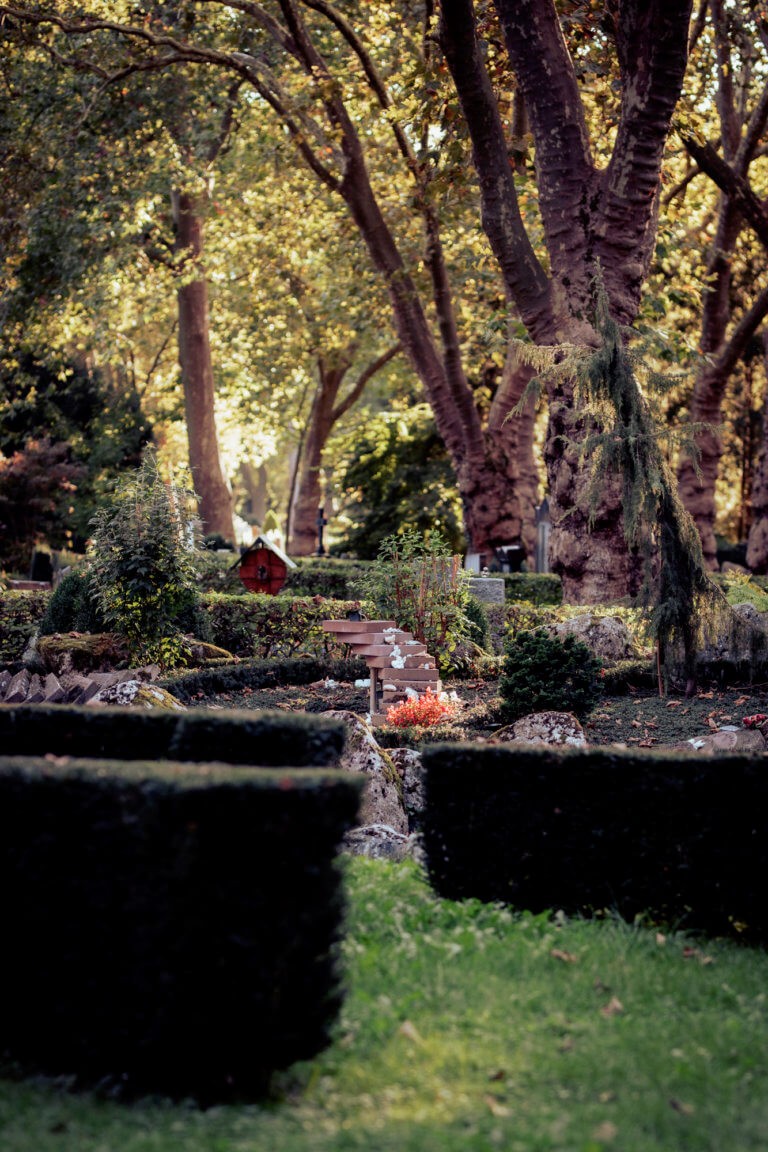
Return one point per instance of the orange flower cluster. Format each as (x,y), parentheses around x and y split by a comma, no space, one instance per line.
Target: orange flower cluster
(427,709)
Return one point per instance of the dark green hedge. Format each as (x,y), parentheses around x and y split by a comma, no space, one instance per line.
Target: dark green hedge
(271,738)
(537,587)
(262,674)
(273,626)
(169,929)
(321,576)
(684,839)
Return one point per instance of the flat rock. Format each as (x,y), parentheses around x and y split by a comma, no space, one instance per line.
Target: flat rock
(54,692)
(379,841)
(136,694)
(745,742)
(559,728)
(382,800)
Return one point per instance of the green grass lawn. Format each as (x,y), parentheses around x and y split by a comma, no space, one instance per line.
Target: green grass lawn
(468,1027)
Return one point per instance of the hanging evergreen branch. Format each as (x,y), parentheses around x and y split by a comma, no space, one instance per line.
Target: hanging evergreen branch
(686,610)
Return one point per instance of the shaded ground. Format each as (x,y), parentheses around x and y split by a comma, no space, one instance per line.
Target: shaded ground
(638,719)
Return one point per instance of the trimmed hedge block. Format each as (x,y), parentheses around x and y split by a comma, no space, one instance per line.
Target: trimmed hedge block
(166,928)
(262,674)
(273,626)
(269,738)
(683,839)
(536,587)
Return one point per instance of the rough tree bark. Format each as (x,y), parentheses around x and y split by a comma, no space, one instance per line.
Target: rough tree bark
(757,543)
(215,500)
(591,217)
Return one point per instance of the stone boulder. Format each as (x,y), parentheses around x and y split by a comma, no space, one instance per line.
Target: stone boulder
(407,761)
(746,644)
(607,636)
(382,800)
(81,652)
(137,694)
(378,841)
(556,728)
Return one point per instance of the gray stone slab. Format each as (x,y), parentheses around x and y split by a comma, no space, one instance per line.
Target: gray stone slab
(18,688)
(36,692)
(54,692)
(488,589)
(5,679)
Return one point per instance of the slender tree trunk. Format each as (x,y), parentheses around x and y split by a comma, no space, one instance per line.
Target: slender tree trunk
(757,543)
(215,501)
(303,538)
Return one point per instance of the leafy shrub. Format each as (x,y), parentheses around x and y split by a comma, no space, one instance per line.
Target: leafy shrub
(20,615)
(142,563)
(421,712)
(217,573)
(424,589)
(543,673)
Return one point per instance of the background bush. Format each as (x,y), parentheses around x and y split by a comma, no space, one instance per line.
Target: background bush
(20,616)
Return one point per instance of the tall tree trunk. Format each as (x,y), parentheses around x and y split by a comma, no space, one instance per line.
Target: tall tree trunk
(215,501)
(590,218)
(757,543)
(326,410)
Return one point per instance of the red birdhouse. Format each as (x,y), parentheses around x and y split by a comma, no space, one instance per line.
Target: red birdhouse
(263,567)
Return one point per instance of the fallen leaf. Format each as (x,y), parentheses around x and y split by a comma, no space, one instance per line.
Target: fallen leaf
(660,938)
(705,695)
(500,1074)
(566,957)
(495,1107)
(605,1131)
(649,743)
(636,724)
(673,703)
(741,700)
(614,1007)
(712,723)
(697,954)
(408,1030)
(679,1106)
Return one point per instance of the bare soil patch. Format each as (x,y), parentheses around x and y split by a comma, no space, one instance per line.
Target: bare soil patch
(637,719)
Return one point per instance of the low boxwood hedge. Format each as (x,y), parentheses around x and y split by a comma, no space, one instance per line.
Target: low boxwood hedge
(254,674)
(169,929)
(271,738)
(678,837)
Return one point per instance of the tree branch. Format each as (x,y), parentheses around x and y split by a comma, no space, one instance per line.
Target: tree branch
(367,374)
(727,357)
(736,187)
(524,277)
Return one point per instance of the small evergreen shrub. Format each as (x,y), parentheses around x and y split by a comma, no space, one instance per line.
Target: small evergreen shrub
(546,674)
(73,606)
(479,623)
